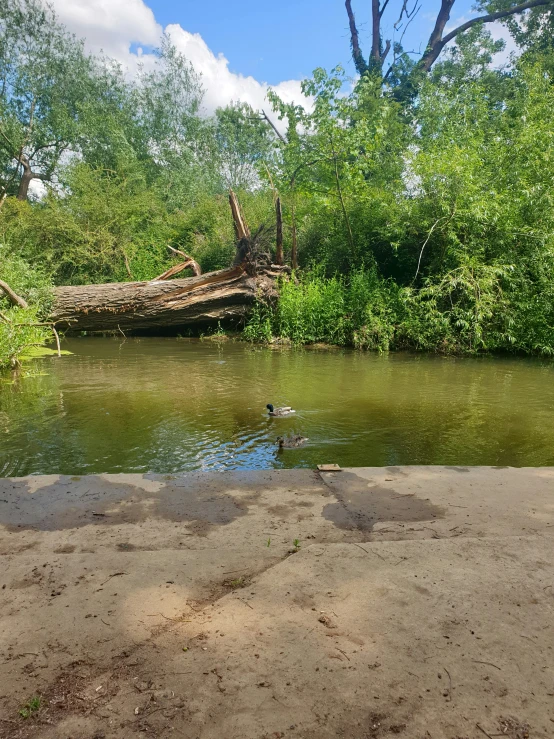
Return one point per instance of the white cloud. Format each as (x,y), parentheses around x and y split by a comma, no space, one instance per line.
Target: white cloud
(497,31)
(223,86)
(110,25)
(117,26)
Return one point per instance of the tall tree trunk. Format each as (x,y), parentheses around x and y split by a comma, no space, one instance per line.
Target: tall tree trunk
(358,57)
(24,183)
(294,249)
(26,177)
(375,33)
(279,257)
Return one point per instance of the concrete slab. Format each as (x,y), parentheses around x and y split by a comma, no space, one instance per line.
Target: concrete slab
(420,603)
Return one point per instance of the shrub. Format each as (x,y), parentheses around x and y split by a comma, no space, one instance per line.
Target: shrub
(20,328)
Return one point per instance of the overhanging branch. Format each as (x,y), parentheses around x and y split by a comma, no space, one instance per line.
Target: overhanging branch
(437,42)
(12,296)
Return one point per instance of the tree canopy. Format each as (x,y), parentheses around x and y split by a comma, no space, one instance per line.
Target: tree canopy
(417,200)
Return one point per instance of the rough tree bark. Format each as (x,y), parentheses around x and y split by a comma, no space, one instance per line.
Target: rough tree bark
(224,295)
(215,296)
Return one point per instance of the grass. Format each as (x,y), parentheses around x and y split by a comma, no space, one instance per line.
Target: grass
(32,706)
(217,334)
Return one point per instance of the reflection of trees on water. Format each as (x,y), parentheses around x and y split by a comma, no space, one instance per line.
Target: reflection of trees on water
(167,405)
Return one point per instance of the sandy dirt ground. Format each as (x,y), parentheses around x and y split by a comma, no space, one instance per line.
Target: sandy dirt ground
(415,602)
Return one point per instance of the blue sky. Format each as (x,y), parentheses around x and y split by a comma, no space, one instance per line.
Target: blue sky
(286,40)
(241,48)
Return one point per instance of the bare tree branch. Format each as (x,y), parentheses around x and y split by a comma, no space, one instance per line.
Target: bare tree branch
(13,297)
(436,41)
(375,31)
(403,9)
(383,8)
(357,56)
(274,127)
(410,17)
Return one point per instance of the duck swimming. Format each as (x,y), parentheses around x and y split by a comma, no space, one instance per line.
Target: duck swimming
(290,442)
(285,411)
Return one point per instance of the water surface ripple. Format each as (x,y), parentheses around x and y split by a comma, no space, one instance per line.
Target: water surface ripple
(169,405)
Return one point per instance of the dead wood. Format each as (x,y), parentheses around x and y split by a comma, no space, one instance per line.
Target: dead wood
(189,263)
(241,229)
(12,296)
(226,295)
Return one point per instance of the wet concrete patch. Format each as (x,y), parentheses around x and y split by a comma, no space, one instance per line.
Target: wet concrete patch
(72,503)
(66,549)
(282,511)
(203,499)
(360,505)
(396,471)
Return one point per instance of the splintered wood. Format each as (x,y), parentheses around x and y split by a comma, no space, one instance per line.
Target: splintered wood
(241,229)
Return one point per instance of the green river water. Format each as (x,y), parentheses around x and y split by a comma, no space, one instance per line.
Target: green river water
(170,405)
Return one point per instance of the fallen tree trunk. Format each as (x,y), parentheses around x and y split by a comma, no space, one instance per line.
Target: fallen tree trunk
(225,295)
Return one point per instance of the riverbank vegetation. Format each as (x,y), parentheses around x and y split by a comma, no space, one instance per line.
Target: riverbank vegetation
(22,321)
(417,200)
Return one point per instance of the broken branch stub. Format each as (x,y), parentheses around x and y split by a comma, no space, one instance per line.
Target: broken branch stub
(193,263)
(188,263)
(12,296)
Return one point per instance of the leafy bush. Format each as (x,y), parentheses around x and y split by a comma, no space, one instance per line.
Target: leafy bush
(20,328)
(471,309)
(357,310)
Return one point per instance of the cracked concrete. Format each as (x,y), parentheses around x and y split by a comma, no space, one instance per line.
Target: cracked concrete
(418,604)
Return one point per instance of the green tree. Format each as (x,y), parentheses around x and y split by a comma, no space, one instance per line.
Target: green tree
(44,79)
(243,144)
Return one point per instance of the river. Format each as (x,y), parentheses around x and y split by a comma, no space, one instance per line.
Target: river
(170,405)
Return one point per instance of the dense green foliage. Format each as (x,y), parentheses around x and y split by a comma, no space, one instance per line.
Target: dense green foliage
(21,329)
(421,206)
